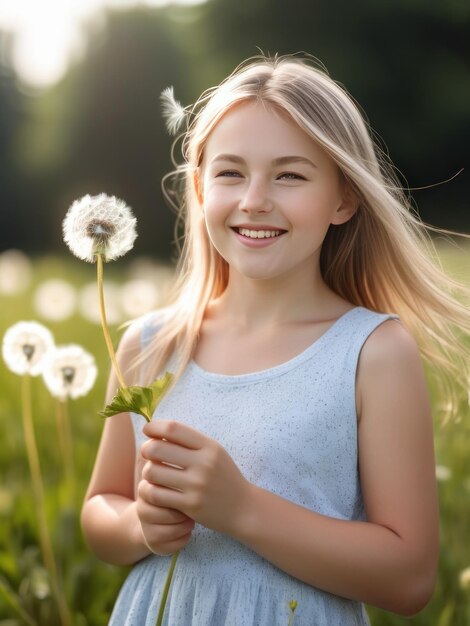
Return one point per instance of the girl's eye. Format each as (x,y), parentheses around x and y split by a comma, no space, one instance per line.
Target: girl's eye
(229,174)
(291,176)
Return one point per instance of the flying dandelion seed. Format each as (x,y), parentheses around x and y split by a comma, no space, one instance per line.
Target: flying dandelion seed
(15,272)
(25,344)
(139,297)
(89,307)
(69,371)
(55,300)
(99,225)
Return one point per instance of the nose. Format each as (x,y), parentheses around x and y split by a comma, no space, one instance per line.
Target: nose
(255,198)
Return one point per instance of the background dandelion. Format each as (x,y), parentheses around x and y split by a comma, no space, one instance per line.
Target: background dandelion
(55,300)
(15,272)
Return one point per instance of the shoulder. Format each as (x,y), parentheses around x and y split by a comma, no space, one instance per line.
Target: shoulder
(133,338)
(388,343)
(390,359)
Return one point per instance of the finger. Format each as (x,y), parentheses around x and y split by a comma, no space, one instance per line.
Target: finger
(175,432)
(167,452)
(171,532)
(158,496)
(164,476)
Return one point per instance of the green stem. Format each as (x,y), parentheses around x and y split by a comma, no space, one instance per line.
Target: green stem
(104,322)
(40,501)
(66,448)
(166,588)
(13,600)
(292,606)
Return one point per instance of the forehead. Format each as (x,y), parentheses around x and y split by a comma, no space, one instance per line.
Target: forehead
(257,128)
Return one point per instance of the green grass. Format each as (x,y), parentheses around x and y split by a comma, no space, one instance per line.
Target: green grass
(92,586)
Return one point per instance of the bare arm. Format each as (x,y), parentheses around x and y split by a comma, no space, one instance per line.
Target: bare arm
(119,527)
(389,561)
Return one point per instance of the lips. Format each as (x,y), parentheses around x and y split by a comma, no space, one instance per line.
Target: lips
(259,232)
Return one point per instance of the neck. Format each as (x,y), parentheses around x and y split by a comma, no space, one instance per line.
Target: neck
(255,304)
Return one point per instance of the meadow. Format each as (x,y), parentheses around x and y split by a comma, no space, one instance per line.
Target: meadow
(90,585)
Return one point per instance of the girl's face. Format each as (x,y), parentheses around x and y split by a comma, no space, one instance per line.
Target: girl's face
(269,193)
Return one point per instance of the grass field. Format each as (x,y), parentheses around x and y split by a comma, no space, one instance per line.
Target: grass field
(91,586)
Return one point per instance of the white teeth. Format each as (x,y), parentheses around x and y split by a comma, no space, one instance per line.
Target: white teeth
(258,234)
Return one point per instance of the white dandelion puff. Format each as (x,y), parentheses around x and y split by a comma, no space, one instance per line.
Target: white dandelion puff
(55,300)
(138,297)
(15,272)
(101,225)
(69,371)
(173,111)
(25,345)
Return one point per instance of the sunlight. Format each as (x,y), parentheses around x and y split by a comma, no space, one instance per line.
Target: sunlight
(49,35)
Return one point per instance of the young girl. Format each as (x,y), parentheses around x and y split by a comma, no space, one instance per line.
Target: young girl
(293,457)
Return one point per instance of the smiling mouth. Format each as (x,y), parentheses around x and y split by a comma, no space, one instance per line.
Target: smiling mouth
(258,234)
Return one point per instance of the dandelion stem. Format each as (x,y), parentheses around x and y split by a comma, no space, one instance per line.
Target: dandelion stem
(104,322)
(40,501)
(65,444)
(166,588)
(292,606)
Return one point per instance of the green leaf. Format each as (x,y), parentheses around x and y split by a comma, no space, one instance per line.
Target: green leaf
(141,400)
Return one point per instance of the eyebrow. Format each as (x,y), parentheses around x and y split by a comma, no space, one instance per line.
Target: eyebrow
(284,160)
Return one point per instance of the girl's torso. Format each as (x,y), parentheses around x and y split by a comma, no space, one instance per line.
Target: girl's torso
(292,429)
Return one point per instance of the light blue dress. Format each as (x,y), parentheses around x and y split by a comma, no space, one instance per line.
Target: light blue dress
(291,429)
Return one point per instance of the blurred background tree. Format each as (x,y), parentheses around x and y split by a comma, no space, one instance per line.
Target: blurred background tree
(99,127)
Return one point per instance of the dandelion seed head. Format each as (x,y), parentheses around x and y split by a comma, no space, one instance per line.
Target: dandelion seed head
(138,297)
(25,346)
(69,372)
(15,272)
(99,224)
(55,300)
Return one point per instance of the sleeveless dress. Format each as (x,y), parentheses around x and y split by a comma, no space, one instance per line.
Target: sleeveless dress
(291,429)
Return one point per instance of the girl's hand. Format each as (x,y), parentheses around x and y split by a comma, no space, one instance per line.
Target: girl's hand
(165,530)
(194,474)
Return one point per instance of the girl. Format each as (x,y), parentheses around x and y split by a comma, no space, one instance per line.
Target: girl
(293,457)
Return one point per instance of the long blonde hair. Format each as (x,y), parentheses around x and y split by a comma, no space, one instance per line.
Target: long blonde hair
(383,258)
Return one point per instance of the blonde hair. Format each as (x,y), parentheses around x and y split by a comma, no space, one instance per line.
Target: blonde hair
(383,258)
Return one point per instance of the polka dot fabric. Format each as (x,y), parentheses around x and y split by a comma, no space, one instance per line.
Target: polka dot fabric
(291,429)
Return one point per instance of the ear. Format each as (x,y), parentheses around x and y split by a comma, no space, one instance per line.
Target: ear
(349,205)
(198,186)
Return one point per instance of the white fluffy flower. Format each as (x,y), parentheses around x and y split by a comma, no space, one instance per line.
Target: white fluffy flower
(15,272)
(69,371)
(55,299)
(138,297)
(99,225)
(25,345)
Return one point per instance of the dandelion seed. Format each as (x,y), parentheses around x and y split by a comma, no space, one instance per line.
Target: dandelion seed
(25,345)
(55,300)
(15,272)
(101,225)
(172,110)
(69,371)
